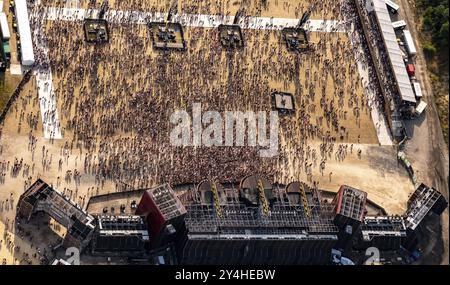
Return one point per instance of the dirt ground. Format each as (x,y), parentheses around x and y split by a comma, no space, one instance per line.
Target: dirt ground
(8,84)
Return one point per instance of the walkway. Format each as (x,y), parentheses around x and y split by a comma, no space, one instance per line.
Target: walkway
(191,20)
(44,80)
(379,121)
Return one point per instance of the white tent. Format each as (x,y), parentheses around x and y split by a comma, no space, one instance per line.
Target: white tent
(409,43)
(394,53)
(23,25)
(4,26)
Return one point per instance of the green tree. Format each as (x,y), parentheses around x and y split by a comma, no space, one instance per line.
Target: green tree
(443,35)
(429,49)
(427,23)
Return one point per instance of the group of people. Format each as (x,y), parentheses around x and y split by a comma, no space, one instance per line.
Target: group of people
(9,242)
(115,100)
(382,79)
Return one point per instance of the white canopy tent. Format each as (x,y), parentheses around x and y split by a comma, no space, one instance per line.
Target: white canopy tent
(23,25)
(394,52)
(4,25)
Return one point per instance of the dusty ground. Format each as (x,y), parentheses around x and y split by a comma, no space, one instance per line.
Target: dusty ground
(8,84)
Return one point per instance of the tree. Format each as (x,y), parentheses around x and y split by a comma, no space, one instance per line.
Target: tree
(429,49)
(427,23)
(443,35)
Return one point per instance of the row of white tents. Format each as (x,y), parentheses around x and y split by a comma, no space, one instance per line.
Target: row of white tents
(4,26)
(23,27)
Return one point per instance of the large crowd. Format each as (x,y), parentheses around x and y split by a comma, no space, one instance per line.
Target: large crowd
(115,100)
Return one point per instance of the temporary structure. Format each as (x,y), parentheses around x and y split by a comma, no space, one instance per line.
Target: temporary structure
(4,26)
(23,25)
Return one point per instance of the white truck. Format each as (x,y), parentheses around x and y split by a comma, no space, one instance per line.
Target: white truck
(420,108)
(417,89)
(392,7)
(399,25)
(409,43)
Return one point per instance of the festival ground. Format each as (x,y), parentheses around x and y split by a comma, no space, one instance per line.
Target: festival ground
(114,102)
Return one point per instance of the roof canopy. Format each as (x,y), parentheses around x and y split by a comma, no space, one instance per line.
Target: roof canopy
(394,52)
(23,24)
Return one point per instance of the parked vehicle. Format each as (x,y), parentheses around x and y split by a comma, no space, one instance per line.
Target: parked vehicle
(392,7)
(410,69)
(417,89)
(409,43)
(399,25)
(420,108)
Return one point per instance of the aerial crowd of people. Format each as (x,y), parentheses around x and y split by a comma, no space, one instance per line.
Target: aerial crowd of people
(120,123)
(115,100)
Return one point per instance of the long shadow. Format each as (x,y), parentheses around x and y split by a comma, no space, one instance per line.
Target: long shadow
(432,244)
(35,241)
(411,125)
